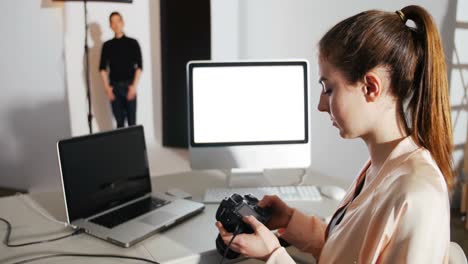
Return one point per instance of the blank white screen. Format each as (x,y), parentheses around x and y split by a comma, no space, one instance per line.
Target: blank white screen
(248,103)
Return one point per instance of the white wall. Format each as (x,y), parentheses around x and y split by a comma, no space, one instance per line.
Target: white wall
(33,109)
(269,29)
(225,31)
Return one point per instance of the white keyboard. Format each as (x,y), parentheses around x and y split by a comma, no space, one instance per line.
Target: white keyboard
(286,193)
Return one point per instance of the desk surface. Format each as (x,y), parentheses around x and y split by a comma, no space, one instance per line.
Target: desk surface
(191,241)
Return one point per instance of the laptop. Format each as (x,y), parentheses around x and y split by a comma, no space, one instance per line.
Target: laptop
(107,188)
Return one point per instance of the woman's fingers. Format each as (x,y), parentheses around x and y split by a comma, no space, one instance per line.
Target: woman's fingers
(236,244)
(241,241)
(227,236)
(224,234)
(235,248)
(220,228)
(267,201)
(259,244)
(253,222)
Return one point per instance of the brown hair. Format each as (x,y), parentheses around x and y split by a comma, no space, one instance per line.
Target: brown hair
(416,63)
(115,13)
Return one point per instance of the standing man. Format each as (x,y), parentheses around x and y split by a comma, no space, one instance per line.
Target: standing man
(120,69)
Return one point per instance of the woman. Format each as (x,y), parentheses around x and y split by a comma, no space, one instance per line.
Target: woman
(384,82)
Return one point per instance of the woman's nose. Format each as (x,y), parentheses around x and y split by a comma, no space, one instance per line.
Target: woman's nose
(323,104)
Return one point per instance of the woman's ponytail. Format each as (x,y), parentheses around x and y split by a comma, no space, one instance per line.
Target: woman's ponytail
(430,113)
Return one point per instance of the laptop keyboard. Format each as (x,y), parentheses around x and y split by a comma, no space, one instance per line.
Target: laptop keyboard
(129,212)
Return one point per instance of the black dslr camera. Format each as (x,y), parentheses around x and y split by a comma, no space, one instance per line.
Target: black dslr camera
(230,213)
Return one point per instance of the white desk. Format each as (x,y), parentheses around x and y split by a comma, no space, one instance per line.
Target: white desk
(192,241)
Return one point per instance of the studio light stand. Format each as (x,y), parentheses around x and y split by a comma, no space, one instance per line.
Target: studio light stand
(88,85)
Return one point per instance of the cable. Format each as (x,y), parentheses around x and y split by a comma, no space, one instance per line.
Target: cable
(33,205)
(234,234)
(84,255)
(227,249)
(6,240)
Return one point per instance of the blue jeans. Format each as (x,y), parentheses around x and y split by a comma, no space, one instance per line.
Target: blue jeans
(121,107)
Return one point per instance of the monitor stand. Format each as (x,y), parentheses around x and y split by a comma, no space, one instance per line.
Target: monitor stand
(238,178)
(246,178)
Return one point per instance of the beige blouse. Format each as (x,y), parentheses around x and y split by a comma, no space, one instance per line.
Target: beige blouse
(402,215)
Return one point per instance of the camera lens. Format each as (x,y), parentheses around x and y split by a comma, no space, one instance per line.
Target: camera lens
(221,247)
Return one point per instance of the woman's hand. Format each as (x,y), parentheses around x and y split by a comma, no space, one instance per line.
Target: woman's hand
(260,244)
(281,212)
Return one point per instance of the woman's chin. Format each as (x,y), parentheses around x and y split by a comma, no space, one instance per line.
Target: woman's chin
(345,134)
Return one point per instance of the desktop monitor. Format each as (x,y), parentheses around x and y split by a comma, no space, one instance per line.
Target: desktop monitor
(251,115)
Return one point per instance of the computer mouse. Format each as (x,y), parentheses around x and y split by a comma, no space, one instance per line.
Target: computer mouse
(333,192)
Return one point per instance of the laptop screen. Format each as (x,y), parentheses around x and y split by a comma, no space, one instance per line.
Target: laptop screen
(103,170)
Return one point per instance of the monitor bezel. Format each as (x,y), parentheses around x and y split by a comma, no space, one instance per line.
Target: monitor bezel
(200,64)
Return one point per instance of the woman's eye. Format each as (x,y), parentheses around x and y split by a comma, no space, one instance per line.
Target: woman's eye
(325,90)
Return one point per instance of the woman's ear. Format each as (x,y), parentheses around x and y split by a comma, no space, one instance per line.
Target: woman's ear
(373,86)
